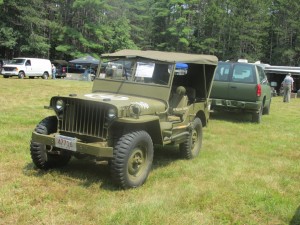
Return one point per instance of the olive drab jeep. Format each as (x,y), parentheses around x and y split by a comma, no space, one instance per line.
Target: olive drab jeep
(138,99)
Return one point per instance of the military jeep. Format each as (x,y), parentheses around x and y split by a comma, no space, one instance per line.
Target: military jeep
(144,100)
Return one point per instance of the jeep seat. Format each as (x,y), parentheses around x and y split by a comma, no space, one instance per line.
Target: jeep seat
(191,94)
(178,103)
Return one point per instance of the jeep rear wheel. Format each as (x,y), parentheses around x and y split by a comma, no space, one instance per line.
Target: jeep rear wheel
(132,161)
(47,156)
(191,147)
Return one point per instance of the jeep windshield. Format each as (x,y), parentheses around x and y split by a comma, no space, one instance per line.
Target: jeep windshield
(137,71)
(152,74)
(17,61)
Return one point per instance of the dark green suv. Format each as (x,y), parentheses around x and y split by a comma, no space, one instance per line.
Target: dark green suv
(241,87)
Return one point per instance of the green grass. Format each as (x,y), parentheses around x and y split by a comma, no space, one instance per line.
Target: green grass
(246,173)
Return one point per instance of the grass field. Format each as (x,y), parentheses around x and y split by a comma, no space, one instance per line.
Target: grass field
(246,173)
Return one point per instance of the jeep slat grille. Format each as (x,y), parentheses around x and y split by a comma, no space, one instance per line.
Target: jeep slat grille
(84,118)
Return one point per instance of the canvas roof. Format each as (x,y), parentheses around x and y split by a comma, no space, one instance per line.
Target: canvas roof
(282,70)
(171,57)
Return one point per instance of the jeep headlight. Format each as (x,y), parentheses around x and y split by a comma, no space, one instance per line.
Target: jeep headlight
(111,113)
(59,105)
(135,110)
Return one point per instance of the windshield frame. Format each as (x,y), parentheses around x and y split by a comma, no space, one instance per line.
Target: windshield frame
(136,70)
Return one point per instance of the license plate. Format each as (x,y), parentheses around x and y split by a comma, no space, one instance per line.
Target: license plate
(65,142)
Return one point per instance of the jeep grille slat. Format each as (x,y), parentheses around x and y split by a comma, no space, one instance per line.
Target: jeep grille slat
(84,118)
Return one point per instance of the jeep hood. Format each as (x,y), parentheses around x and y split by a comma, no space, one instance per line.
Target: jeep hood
(147,105)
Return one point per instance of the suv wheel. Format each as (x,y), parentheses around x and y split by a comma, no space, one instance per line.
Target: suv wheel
(256,117)
(267,109)
(47,156)
(132,161)
(191,147)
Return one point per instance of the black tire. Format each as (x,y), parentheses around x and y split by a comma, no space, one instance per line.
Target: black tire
(45,75)
(132,161)
(256,117)
(267,109)
(192,146)
(21,75)
(41,154)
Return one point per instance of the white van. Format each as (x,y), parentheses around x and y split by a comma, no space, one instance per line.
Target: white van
(27,67)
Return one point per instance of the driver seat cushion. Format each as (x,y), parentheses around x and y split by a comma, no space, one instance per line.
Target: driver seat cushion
(179,102)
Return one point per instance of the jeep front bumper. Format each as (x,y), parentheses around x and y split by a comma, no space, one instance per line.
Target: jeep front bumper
(98,149)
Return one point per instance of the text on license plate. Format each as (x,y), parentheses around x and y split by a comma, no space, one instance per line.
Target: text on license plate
(65,142)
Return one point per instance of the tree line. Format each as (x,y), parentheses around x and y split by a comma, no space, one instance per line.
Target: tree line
(266,30)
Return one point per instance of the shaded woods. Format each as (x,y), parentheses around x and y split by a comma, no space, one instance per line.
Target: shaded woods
(266,30)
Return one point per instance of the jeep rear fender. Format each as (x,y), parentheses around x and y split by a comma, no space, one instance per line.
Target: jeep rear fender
(202,117)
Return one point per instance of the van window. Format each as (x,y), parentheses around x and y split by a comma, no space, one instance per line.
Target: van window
(243,74)
(17,61)
(28,63)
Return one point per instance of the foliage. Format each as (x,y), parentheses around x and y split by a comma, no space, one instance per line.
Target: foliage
(266,30)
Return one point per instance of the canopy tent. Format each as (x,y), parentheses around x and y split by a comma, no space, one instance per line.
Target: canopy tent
(87,60)
(89,65)
(282,69)
(181,66)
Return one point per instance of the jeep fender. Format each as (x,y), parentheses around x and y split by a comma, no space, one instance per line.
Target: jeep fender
(149,123)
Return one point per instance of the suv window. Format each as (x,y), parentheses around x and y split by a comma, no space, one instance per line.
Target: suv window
(243,73)
(262,75)
(222,72)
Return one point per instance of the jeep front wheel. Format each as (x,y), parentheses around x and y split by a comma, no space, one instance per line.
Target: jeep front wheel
(47,156)
(132,161)
(191,147)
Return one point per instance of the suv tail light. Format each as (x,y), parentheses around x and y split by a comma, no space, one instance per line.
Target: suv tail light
(258,90)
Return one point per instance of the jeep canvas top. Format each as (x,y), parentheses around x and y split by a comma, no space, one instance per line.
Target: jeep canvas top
(137,100)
